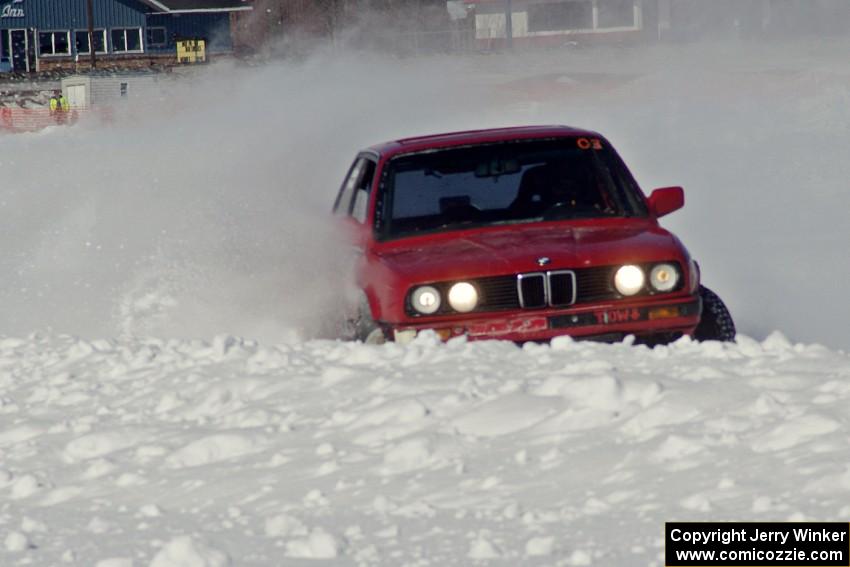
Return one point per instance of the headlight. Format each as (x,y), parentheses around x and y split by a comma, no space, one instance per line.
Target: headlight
(664,277)
(425,299)
(629,280)
(463,297)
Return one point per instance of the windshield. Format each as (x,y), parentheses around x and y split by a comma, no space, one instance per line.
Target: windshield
(516,182)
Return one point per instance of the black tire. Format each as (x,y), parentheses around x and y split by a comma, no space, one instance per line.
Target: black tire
(716,323)
(362,327)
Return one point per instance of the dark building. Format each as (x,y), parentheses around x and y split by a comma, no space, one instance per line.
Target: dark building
(40,35)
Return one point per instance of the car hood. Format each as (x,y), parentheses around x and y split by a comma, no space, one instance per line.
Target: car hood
(514,249)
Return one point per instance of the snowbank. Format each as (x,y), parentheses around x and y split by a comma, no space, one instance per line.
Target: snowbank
(183,453)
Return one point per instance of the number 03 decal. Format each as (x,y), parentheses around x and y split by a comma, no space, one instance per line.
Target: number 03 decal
(589,143)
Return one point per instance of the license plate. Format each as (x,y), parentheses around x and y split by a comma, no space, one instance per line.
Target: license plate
(491,328)
(614,316)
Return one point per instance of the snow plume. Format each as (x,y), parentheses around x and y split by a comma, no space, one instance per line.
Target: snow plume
(206,210)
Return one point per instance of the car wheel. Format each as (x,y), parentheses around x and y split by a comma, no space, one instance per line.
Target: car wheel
(362,327)
(716,322)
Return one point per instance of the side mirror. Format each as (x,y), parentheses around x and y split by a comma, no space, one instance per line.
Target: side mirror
(666,200)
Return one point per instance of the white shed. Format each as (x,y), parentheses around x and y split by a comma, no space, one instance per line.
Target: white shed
(109,89)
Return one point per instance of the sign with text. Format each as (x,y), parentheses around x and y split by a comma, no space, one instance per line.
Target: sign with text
(15,9)
(757,544)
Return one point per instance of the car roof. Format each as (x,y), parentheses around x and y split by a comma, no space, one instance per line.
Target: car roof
(472,137)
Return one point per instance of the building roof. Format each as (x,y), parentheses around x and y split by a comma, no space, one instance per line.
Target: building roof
(471,137)
(190,6)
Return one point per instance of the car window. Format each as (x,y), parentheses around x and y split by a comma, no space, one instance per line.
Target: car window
(509,182)
(359,209)
(346,192)
(423,192)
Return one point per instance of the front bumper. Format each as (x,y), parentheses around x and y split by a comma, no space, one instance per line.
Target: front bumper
(609,321)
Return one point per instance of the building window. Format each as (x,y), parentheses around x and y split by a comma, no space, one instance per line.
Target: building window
(582,15)
(558,16)
(126,40)
(81,41)
(156,37)
(54,43)
(616,13)
(4,45)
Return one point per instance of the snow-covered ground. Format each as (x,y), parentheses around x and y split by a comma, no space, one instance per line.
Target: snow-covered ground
(191,453)
(204,212)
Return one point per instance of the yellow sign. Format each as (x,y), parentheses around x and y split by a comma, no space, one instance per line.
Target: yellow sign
(191,51)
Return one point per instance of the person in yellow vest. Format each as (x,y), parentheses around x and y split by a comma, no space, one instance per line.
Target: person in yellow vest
(62,108)
(59,107)
(54,106)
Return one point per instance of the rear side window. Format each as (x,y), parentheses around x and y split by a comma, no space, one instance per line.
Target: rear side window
(360,207)
(353,197)
(343,200)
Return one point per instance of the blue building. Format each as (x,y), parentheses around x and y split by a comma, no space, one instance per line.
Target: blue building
(39,35)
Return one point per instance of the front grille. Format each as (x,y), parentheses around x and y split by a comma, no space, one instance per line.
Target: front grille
(532,290)
(536,290)
(498,292)
(596,284)
(553,289)
(562,288)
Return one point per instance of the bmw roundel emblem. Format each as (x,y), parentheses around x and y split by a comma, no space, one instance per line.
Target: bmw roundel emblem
(543,261)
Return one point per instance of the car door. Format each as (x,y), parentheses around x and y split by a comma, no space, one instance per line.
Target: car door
(352,203)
